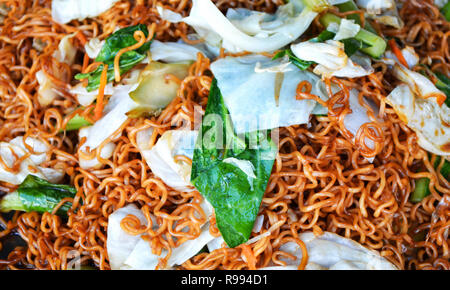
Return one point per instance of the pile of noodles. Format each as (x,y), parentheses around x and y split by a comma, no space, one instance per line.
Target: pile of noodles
(320,181)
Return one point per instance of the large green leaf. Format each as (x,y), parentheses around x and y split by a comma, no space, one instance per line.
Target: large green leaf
(39,195)
(113,44)
(236,199)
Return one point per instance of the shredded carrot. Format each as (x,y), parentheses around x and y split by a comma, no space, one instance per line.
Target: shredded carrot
(140,38)
(398,53)
(250,256)
(101,93)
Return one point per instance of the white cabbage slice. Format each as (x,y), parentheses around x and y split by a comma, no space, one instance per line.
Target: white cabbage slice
(47,92)
(65,53)
(105,153)
(425,117)
(410,55)
(161,157)
(173,52)
(332,252)
(64,11)
(358,117)
(347,29)
(332,59)
(142,257)
(384,11)
(114,115)
(128,252)
(246,30)
(119,244)
(250,96)
(86,98)
(11,151)
(419,84)
(93,47)
(66,50)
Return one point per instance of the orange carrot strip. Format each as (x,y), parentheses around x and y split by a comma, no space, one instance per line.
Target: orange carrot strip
(101,93)
(397,52)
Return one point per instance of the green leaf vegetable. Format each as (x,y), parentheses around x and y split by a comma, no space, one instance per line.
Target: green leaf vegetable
(443,84)
(113,44)
(36,194)
(77,122)
(301,64)
(446,11)
(351,45)
(422,189)
(235,198)
(374,44)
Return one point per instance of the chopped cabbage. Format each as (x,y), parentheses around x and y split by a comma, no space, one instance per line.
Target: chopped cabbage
(142,257)
(47,92)
(424,116)
(161,157)
(119,244)
(11,151)
(410,55)
(251,96)
(332,60)
(134,253)
(246,30)
(105,153)
(347,29)
(173,52)
(115,114)
(384,11)
(64,11)
(66,50)
(332,252)
(93,47)
(418,83)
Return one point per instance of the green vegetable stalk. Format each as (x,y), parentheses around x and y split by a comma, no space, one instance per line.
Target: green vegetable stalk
(113,44)
(36,194)
(351,6)
(446,11)
(235,198)
(443,84)
(300,63)
(375,45)
(422,189)
(77,122)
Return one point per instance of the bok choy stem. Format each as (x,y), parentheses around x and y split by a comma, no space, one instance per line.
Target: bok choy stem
(446,11)
(422,189)
(77,122)
(377,45)
(36,194)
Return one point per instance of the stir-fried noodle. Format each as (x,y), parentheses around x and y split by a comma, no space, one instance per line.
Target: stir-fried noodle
(321,180)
